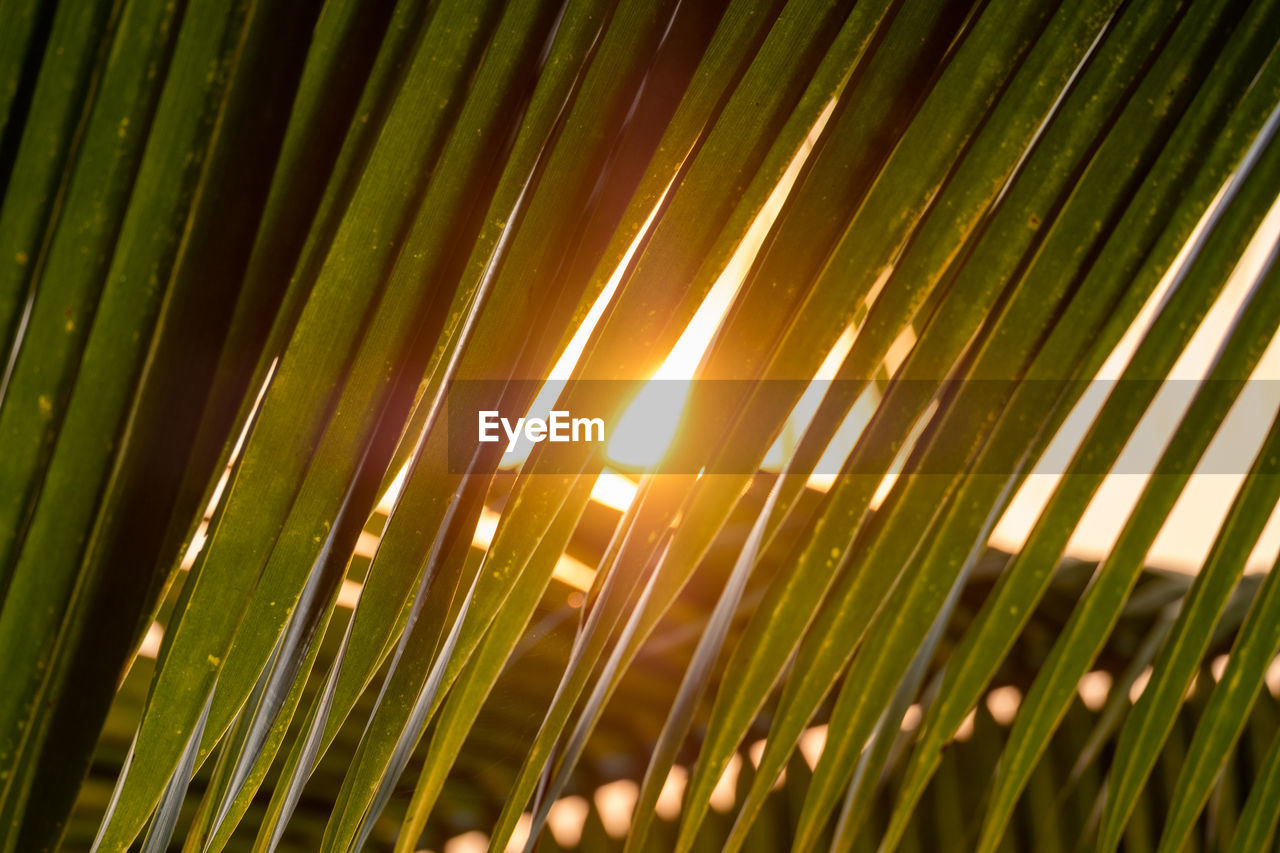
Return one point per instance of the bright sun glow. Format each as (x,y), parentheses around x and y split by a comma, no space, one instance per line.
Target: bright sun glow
(563,369)
(648,426)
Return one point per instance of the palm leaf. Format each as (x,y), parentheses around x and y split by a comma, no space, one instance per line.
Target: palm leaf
(263,261)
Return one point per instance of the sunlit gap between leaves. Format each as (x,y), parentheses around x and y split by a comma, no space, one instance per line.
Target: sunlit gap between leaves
(640,440)
(648,426)
(630,448)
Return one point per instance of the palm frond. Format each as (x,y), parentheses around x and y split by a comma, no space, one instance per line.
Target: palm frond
(891,262)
